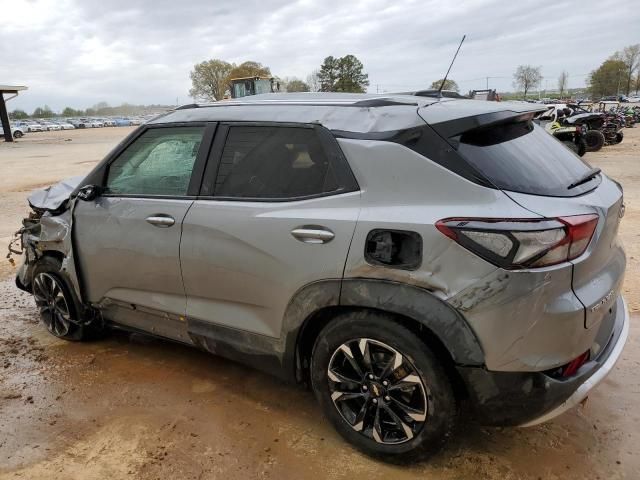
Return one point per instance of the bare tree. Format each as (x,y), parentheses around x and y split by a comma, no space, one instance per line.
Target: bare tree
(562,82)
(631,58)
(527,78)
(313,80)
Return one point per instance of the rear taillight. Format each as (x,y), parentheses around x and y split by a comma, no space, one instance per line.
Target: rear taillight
(522,243)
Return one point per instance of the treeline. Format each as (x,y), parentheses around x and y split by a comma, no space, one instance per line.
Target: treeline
(101,109)
(211,79)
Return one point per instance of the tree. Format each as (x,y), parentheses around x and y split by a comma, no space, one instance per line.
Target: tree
(210,79)
(71,112)
(42,112)
(563,79)
(328,74)
(18,114)
(249,69)
(631,58)
(527,78)
(608,77)
(448,85)
(313,80)
(637,82)
(351,78)
(295,85)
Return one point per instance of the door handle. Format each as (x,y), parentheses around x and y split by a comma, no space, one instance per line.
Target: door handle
(314,235)
(162,221)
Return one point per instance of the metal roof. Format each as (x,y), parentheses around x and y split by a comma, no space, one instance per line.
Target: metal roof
(12,88)
(339,111)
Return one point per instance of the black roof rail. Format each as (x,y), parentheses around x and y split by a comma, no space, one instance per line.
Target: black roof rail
(188,106)
(382,102)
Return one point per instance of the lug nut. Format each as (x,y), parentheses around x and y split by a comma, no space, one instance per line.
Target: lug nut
(371,376)
(375,400)
(387,398)
(364,387)
(385,383)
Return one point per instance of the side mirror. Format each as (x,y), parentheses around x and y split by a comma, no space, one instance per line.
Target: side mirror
(89,192)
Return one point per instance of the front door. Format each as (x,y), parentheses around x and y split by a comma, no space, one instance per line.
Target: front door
(277,212)
(128,239)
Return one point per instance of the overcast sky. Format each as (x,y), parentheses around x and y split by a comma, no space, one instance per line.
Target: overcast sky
(80,52)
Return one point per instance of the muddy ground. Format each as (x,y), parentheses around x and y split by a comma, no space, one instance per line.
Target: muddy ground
(133,407)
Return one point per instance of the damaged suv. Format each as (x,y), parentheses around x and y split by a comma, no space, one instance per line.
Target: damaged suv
(401,254)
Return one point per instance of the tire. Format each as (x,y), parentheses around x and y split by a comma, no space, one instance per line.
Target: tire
(618,139)
(425,387)
(594,140)
(17,134)
(45,274)
(582,147)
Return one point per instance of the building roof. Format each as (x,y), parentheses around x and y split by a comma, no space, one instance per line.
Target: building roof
(12,88)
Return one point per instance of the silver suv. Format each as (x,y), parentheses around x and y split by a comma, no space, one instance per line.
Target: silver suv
(400,254)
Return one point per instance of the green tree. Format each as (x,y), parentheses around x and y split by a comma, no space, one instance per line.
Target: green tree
(608,77)
(563,79)
(210,79)
(295,85)
(351,78)
(328,74)
(42,112)
(527,77)
(448,85)
(18,115)
(71,112)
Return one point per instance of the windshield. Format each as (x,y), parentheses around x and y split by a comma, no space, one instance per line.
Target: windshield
(522,157)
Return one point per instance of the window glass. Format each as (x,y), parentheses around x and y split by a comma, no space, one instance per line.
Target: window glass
(274,162)
(159,162)
(522,157)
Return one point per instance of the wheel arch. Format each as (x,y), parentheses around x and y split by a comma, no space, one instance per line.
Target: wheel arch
(435,322)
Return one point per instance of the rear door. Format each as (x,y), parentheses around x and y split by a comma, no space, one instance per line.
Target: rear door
(277,211)
(127,239)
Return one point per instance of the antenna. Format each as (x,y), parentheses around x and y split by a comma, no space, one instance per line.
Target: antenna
(447,74)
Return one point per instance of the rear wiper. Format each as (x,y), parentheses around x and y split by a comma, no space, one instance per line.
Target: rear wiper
(585,178)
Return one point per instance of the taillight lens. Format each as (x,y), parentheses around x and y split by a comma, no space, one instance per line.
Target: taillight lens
(522,243)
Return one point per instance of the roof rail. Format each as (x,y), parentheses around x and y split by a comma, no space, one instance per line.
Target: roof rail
(188,106)
(383,102)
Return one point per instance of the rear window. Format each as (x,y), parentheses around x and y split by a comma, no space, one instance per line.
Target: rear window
(522,157)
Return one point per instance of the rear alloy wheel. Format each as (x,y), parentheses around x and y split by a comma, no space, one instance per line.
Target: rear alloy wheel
(17,134)
(55,311)
(377,391)
(382,387)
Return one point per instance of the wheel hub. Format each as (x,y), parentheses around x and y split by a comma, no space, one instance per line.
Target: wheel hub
(50,299)
(377,391)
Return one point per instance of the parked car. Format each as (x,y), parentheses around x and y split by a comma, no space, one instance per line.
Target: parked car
(17,131)
(122,122)
(64,125)
(31,126)
(399,253)
(108,122)
(49,126)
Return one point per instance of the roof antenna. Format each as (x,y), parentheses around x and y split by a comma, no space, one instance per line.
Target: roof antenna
(447,74)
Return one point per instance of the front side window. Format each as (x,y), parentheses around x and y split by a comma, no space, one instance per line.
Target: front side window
(274,162)
(159,162)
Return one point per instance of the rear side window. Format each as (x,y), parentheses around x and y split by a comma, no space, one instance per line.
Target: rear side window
(522,157)
(276,162)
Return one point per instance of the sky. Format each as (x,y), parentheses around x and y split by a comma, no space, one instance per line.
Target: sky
(80,52)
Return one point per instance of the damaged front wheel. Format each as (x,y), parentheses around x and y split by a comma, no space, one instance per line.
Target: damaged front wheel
(57,305)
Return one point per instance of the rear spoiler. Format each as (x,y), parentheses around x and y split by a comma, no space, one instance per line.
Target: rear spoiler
(458,126)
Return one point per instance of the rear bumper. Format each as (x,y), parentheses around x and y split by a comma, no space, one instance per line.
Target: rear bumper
(530,398)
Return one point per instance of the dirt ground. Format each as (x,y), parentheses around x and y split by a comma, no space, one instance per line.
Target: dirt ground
(133,407)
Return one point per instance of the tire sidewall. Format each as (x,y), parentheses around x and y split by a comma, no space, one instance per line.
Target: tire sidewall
(441,402)
(53,266)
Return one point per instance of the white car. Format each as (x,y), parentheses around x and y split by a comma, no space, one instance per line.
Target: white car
(66,125)
(33,127)
(633,99)
(18,132)
(49,126)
